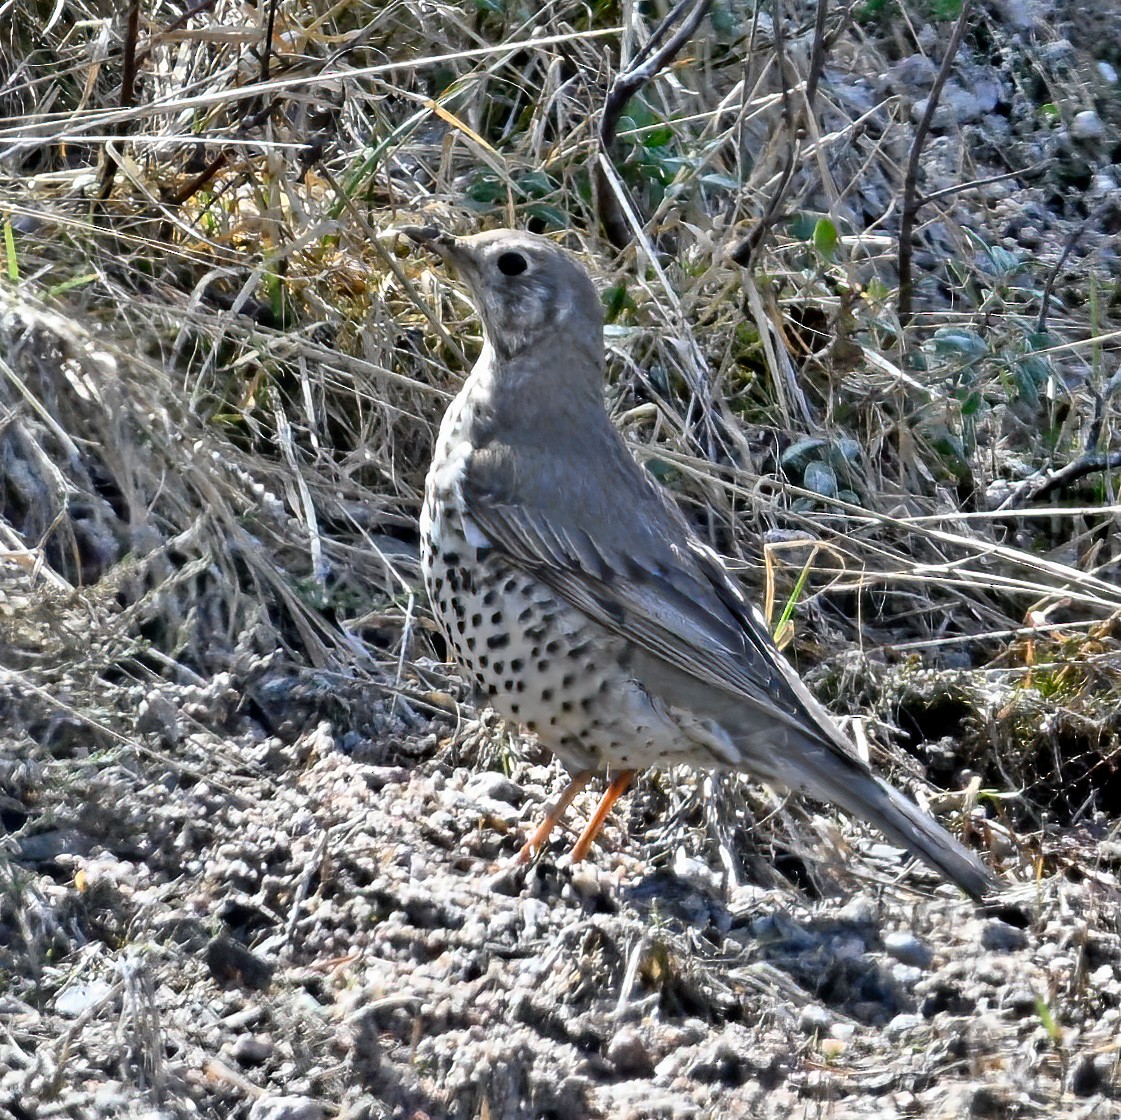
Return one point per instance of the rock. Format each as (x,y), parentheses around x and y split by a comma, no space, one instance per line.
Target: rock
(1087,125)
(230,962)
(815,1019)
(286,1108)
(252,1049)
(696,873)
(999,937)
(908,949)
(490,786)
(904,1023)
(76,999)
(628,1053)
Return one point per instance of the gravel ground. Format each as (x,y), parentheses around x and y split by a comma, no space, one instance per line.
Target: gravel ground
(213,917)
(283,893)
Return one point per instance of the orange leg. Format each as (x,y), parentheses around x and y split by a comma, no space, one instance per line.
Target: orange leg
(534,844)
(612,794)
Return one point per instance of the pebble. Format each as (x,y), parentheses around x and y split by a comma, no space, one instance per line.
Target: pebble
(903,1024)
(696,874)
(286,1108)
(999,937)
(906,948)
(492,786)
(76,999)
(815,1019)
(1087,125)
(252,1049)
(628,1053)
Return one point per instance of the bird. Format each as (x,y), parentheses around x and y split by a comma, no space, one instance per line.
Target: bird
(574,592)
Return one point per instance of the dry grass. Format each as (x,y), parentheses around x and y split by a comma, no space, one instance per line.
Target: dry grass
(219,381)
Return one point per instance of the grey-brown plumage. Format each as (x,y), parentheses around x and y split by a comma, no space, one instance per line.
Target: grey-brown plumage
(575,593)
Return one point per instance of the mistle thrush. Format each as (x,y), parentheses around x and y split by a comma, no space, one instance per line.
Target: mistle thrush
(574,592)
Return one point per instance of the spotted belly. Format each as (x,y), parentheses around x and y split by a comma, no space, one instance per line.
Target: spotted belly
(543,664)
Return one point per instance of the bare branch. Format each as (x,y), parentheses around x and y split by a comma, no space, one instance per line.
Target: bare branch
(911,198)
(646,64)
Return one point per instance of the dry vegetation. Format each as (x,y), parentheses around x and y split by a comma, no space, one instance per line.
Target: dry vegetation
(233,769)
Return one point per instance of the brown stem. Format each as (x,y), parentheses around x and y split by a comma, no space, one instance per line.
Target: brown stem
(644,66)
(746,247)
(911,199)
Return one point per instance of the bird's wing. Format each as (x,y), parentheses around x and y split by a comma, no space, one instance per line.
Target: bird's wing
(683,609)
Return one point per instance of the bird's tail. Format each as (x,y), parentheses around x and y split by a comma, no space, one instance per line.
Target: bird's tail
(905,823)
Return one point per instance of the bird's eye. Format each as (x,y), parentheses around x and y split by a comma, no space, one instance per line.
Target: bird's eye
(512,264)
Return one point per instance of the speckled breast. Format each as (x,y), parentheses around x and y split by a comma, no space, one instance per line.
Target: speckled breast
(539,661)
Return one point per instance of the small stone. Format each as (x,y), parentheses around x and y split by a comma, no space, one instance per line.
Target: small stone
(906,975)
(286,1108)
(1020,1002)
(814,1019)
(696,874)
(628,1053)
(908,949)
(999,937)
(492,786)
(858,911)
(1107,72)
(586,880)
(1059,54)
(903,1024)
(231,963)
(1087,125)
(77,999)
(252,1049)
(832,1048)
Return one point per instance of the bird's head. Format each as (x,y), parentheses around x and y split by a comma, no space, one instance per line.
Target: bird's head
(531,294)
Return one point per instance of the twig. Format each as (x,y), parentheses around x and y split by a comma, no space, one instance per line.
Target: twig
(1086,464)
(644,66)
(1053,275)
(958,188)
(128,96)
(745,248)
(911,198)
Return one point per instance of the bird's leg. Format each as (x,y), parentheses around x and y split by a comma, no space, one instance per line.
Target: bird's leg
(534,844)
(612,794)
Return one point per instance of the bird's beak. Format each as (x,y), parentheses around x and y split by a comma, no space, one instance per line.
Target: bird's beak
(429,237)
(454,251)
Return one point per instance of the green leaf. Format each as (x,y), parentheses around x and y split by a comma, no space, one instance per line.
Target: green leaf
(73,282)
(546,212)
(960,340)
(662,471)
(972,403)
(802,227)
(819,478)
(616,300)
(797,456)
(10,252)
(724,182)
(825,237)
(1004,261)
(658,137)
(535,183)
(486,188)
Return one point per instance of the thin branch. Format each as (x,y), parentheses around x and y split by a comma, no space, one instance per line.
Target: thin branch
(1035,488)
(745,248)
(645,65)
(127,98)
(911,199)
